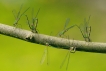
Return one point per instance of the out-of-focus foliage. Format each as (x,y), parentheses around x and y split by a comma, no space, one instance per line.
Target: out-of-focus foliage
(19,55)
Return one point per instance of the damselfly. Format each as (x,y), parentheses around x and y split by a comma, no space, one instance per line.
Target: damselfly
(45,54)
(65,29)
(85,30)
(33,25)
(71,50)
(18,16)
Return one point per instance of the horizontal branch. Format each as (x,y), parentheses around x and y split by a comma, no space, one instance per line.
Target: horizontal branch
(51,40)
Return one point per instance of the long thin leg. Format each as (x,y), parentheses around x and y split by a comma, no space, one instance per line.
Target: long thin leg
(28,22)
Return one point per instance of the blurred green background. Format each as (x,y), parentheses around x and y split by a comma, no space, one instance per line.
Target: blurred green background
(19,55)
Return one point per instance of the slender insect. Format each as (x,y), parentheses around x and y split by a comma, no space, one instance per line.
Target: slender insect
(18,16)
(34,22)
(45,54)
(65,29)
(71,50)
(85,30)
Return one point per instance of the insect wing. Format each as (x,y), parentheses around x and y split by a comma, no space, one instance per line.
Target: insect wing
(86,23)
(37,13)
(18,15)
(67,22)
(89,19)
(83,28)
(44,55)
(88,28)
(64,59)
(68,61)
(35,19)
(14,13)
(24,11)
